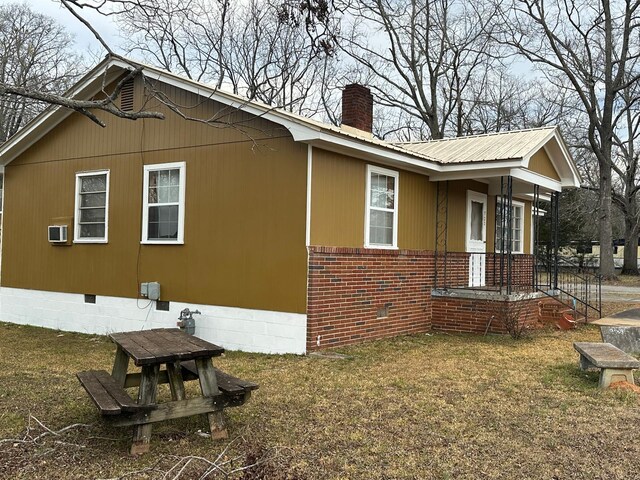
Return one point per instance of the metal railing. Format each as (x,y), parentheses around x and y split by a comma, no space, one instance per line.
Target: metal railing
(486,271)
(570,283)
(576,286)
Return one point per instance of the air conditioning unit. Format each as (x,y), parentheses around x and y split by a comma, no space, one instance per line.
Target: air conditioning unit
(57,233)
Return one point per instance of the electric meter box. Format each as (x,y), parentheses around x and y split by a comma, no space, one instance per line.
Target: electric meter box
(150,290)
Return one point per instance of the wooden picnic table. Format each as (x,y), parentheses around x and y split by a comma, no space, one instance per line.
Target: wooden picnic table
(185,358)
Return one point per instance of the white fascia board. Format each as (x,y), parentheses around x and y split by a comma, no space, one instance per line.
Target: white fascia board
(470,172)
(536,179)
(372,153)
(554,134)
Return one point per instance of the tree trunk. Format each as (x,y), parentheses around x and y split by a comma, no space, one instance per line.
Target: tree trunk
(630,266)
(607,269)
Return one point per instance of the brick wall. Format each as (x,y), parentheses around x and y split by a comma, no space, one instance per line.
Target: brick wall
(357,294)
(455,313)
(357,107)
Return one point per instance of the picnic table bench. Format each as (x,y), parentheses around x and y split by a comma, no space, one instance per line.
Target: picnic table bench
(186,358)
(614,364)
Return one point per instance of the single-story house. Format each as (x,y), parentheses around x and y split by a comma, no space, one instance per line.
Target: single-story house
(287,234)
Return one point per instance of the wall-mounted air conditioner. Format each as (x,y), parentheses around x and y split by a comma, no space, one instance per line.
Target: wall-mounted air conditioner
(57,233)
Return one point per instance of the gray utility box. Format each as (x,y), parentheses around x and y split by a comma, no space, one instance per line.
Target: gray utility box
(150,290)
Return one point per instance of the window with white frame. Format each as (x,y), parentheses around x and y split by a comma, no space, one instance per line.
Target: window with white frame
(92,207)
(381,222)
(1,190)
(517,227)
(163,203)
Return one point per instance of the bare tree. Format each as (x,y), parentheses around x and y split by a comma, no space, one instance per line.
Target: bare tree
(34,53)
(626,171)
(504,101)
(428,56)
(258,48)
(594,46)
(310,16)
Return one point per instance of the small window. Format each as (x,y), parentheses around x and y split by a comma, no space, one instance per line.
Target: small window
(1,190)
(381,220)
(517,227)
(163,203)
(92,207)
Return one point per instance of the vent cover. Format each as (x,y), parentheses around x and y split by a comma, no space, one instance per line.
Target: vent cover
(126,96)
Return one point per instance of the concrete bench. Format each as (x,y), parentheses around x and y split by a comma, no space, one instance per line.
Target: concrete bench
(614,364)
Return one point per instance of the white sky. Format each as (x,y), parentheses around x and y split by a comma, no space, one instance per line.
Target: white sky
(83,37)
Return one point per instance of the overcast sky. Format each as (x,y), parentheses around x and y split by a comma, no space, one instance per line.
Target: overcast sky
(83,37)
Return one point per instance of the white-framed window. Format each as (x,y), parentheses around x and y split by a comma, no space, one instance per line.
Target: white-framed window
(163,203)
(381,221)
(517,226)
(91,223)
(1,190)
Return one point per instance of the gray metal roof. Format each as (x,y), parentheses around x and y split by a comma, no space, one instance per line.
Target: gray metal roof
(513,145)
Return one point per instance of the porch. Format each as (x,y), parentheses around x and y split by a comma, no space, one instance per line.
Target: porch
(498,276)
(511,224)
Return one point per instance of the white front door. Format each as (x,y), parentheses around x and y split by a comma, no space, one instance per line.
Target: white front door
(476,237)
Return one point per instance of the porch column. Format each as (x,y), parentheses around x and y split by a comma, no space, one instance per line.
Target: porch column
(442,221)
(555,210)
(506,232)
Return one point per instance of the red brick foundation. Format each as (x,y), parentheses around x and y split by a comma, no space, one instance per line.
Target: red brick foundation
(470,312)
(357,294)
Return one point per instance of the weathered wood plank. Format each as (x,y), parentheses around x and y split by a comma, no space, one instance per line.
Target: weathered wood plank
(176,409)
(120,366)
(122,398)
(226,383)
(605,355)
(100,397)
(136,351)
(147,395)
(176,384)
(164,345)
(155,346)
(209,387)
(133,379)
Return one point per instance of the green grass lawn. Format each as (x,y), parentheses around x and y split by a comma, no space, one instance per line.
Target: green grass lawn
(424,406)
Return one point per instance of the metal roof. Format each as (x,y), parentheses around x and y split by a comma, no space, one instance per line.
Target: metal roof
(505,150)
(512,145)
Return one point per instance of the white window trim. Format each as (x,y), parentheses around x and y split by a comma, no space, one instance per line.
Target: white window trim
(514,203)
(76,221)
(182,166)
(391,173)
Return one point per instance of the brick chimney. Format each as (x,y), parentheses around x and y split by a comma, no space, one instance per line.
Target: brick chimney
(357,108)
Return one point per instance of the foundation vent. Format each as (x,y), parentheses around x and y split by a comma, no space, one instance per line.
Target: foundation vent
(126,96)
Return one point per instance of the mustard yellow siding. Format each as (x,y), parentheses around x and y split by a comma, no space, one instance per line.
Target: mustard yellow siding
(338,201)
(244,214)
(458,212)
(417,212)
(541,163)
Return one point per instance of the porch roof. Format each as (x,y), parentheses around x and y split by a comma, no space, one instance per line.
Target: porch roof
(500,146)
(490,156)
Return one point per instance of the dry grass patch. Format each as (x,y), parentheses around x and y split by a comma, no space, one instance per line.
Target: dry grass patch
(425,406)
